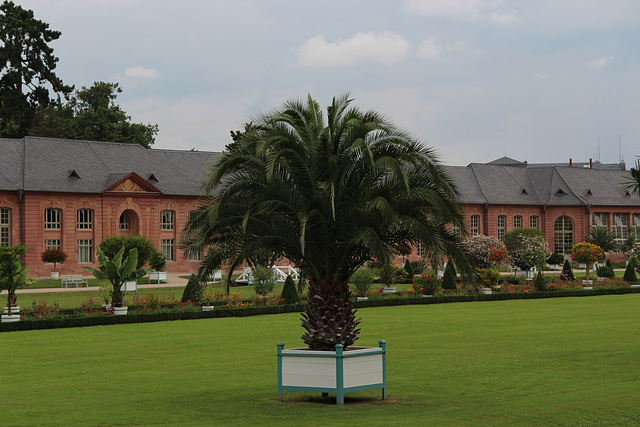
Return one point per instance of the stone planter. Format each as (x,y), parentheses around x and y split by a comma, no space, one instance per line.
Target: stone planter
(55,275)
(587,282)
(486,291)
(362,298)
(207,308)
(130,286)
(635,286)
(339,372)
(601,279)
(389,290)
(120,311)
(587,288)
(8,318)
(14,310)
(427,296)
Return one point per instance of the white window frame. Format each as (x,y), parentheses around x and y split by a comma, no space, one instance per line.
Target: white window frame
(85,251)
(420,249)
(167,246)
(517,221)
(600,219)
(167,220)
(84,219)
(562,234)
(474,225)
(52,219)
(533,221)
(620,226)
(5,227)
(502,226)
(52,244)
(126,224)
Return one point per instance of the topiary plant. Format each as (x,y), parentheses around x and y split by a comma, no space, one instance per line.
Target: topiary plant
(630,274)
(289,291)
(55,256)
(449,278)
(567,273)
(540,283)
(193,290)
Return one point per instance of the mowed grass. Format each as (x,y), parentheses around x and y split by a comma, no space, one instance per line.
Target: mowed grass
(562,361)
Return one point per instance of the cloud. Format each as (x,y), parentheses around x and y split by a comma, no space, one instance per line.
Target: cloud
(476,10)
(140,72)
(363,47)
(429,49)
(600,62)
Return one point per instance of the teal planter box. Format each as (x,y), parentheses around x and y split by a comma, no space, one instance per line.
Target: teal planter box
(339,372)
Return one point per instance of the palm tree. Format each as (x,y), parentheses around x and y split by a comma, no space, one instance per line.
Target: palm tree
(329,196)
(633,183)
(602,237)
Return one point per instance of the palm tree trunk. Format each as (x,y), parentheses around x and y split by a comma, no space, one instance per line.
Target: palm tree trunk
(329,317)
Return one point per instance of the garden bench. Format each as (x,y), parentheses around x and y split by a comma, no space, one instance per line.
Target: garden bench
(73,279)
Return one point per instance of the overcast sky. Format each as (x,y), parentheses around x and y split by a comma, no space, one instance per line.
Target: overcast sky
(543,80)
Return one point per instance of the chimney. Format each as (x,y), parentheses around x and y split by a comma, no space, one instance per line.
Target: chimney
(590,164)
(570,163)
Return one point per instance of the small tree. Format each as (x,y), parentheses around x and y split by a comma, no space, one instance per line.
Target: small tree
(13,274)
(54,255)
(449,278)
(289,291)
(112,244)
(526,247)
(362,279)
(586,253)
(158,261)
(555,259)
(117,271)
(263,280)
(567,272)
(485,251)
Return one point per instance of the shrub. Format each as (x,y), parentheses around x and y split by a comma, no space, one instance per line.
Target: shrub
(567,273)
(193,290)
(486,277)
(158,261)
(290,292)
(540,283)
(630,274)
(526,247)
(427,284)
(408,269)
(449,278)
(555,259)
(263,280)
(362,280)
(605,271)
(112,244)
(485,251)
(633,261)
(54,255)
(417,267)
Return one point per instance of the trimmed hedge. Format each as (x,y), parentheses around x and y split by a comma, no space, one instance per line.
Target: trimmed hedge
(66,320)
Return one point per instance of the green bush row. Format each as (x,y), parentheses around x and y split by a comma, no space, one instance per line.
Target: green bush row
(71,321)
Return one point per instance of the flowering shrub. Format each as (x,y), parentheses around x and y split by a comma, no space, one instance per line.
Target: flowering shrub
(152,302)
(54,255)
(486,277)
(91,307)
(512,289)
(398,274)
(526,247)
(586,253)
(485,251)
(41,310)
(427,284)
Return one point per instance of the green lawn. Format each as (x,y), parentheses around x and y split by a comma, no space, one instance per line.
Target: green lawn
(564,361)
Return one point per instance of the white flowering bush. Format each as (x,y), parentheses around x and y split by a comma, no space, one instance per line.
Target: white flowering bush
(526,247)
(635,250)
(485,251)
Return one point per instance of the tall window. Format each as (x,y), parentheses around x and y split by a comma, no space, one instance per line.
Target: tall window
(85,250)
(456,231)
(502,226)
(124,222)
(85,219)
(621,226)
(562,234)
(52,219)
(167,248)
(52,244)
(474,225)
(636,225)
(167,220)
(533,221)
(5,217)
(420,249)
(517,221)
(600,219)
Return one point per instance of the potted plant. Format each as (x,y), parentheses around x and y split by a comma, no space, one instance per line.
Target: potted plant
(329,196)
(13,276)
(55,256)
(158,263)
(117,271)
(586,253)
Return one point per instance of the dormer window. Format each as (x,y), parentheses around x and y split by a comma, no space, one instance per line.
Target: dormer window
(74,174)
(560,192)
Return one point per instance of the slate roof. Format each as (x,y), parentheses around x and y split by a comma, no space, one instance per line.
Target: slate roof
(48,163)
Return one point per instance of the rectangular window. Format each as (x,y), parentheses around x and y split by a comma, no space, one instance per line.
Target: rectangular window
(85,250)
(5,217)
(420,249)
(194,255)
(456,231)
(517,221)
(621,226)
(636,225)
(167,220)
(502,226)
(85,219)
(474,225)
(52,244)
(52,219)
(600,219)
(167,248)
(533,221)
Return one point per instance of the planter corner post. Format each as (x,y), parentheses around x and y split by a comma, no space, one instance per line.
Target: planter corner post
(383,345)
(280,348)
(339,374)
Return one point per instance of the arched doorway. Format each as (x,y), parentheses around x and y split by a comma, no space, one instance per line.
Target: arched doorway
(128,223)
(562,234)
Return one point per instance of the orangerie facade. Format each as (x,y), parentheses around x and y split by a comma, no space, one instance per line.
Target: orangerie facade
(72,194)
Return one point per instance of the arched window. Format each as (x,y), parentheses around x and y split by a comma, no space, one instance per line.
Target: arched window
(562,234)
(124,222)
